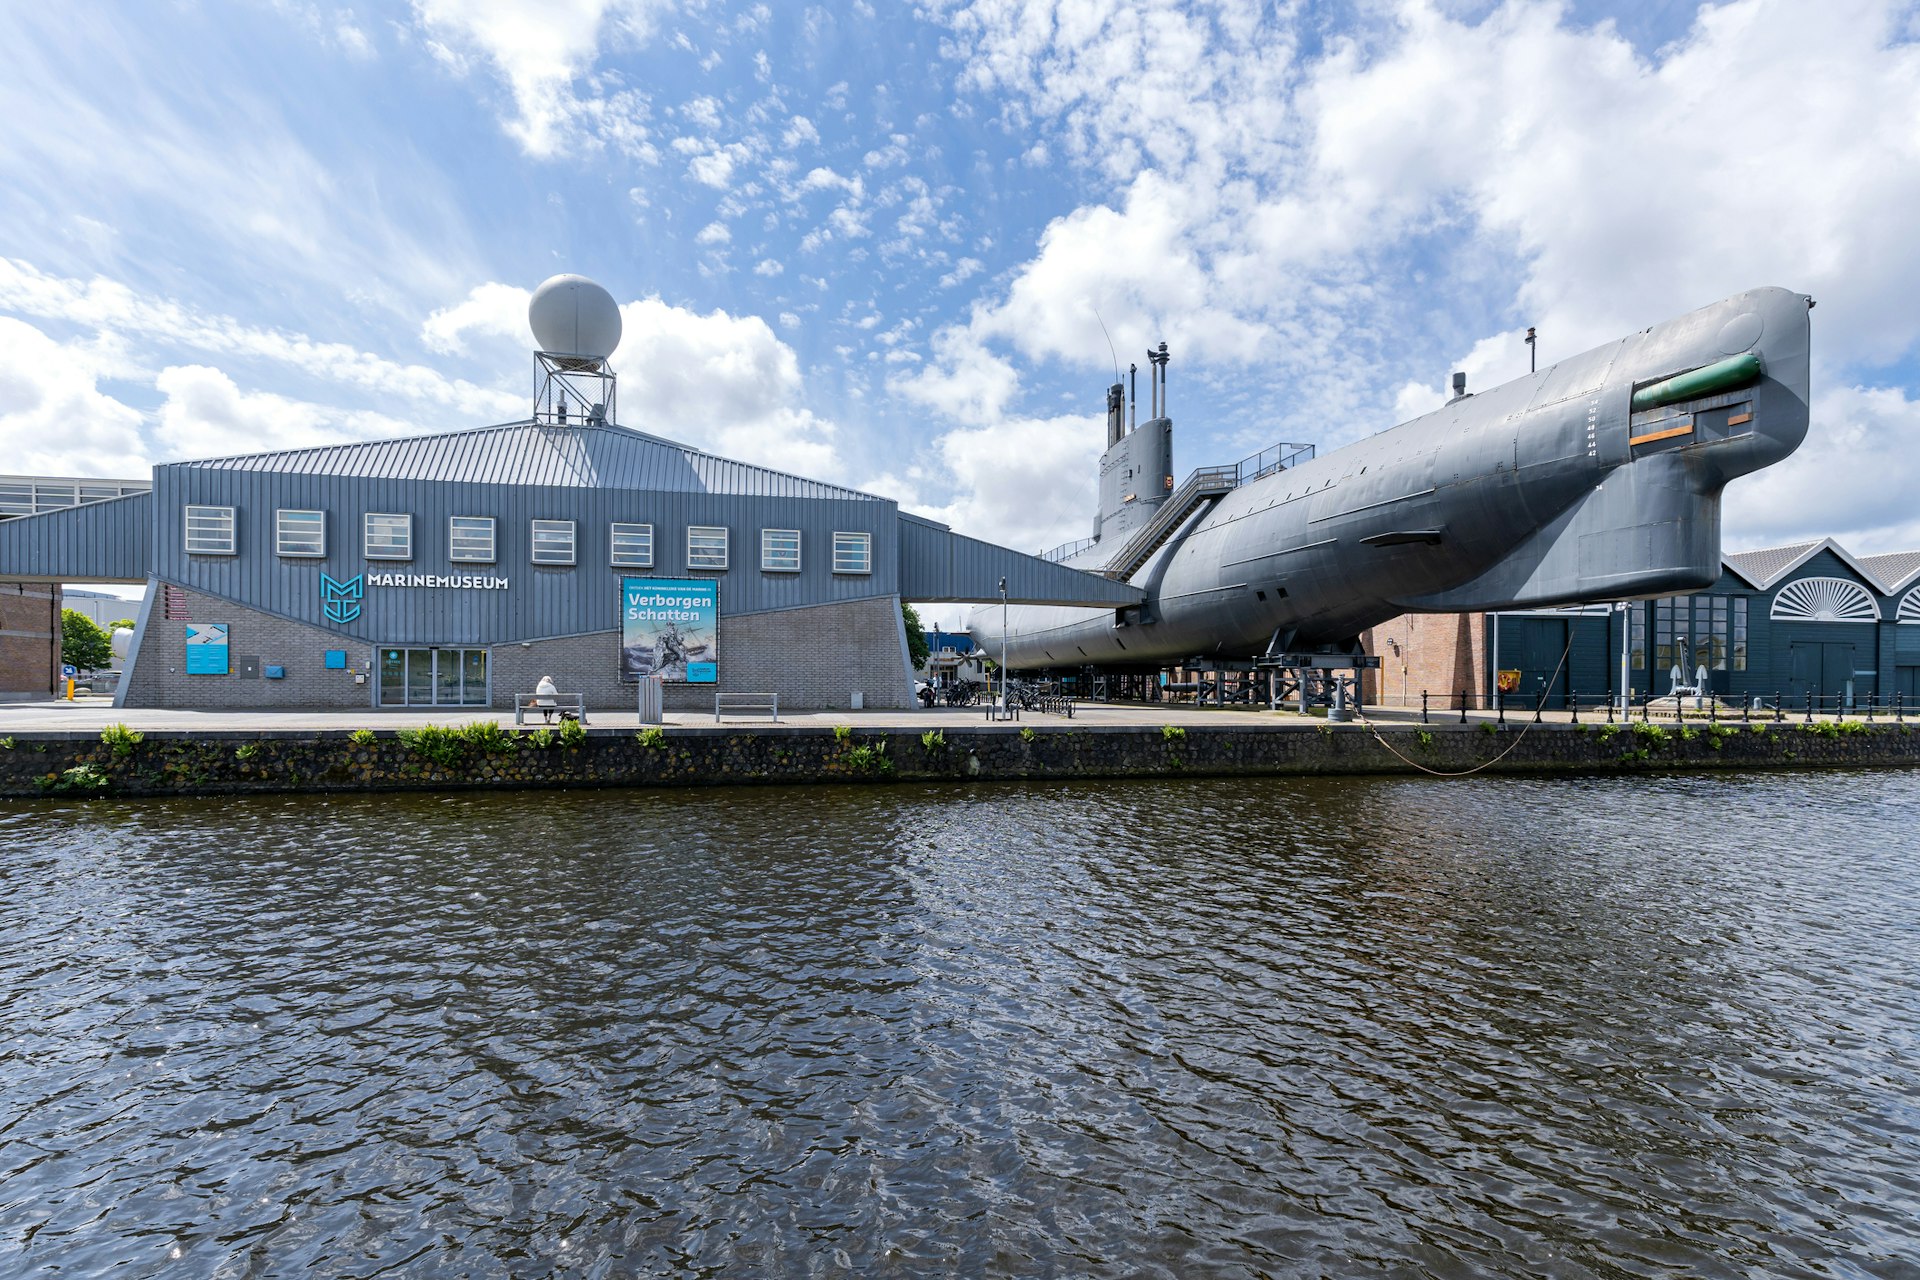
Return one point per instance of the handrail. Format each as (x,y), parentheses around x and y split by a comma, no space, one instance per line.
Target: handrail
(1067,550)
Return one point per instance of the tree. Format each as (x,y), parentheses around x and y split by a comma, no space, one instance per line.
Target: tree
(917,648)
(82,643)
(128,623)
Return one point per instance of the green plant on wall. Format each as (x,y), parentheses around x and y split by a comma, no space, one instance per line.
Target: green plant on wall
(540,739)
(1027,735)
(933,740)
(363,737)
(869,759)
(438,743)
(246,751)
(653,738)
(121,740)
(1172,733)
(82,779)
(489,738)
(842,732)
(572,733)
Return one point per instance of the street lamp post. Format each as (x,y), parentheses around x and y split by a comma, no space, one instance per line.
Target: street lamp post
(1003,644)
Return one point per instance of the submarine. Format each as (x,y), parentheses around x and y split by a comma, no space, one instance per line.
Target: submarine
(1597,478)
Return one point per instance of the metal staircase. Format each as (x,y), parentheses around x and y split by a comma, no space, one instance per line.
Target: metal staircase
(1204,487)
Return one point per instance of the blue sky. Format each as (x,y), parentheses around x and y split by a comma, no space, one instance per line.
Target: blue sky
(877,243)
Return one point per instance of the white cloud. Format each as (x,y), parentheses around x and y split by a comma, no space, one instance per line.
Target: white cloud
(703,111)
(964,269)
(114,310)
(205,414)
(799,131)
(1323,220)
(1026,483)
(1853,480)
(715,168)
(768,267)
(714,233)
(495,310)
(542,48)
(726,384)
(54,419)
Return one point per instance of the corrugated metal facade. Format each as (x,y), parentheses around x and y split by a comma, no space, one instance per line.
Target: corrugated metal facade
(538,601)
(110,541)
(533,453)
(937,564)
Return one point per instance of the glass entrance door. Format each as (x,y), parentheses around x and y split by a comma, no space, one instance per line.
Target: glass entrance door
(433,678)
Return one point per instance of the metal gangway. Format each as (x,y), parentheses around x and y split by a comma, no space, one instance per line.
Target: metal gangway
(1203,487)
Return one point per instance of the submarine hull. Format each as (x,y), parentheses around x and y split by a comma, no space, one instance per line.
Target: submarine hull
(1598,478)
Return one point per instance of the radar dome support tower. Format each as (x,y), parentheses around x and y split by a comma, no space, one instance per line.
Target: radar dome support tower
(576,327)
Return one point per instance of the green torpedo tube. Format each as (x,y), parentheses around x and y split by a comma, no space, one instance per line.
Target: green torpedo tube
(1722,375)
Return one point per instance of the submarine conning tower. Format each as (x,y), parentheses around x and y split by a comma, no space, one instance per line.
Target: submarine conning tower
(1136,471)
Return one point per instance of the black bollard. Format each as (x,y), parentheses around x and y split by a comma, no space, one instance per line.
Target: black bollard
(1809,706)
(1573,701)
(1423,706)
(1779,707)
(1463,706)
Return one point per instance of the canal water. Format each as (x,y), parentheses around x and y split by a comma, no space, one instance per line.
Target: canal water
(1354,1027)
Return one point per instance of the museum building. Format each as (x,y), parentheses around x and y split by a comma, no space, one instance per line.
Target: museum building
(1782,625)
(458,568)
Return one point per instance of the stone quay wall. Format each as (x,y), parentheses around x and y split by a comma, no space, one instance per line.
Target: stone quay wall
(162,764)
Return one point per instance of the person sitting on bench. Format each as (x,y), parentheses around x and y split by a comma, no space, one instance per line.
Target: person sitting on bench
(543,697)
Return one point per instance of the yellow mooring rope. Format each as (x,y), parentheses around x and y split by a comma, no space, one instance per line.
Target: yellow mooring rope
(1488,764)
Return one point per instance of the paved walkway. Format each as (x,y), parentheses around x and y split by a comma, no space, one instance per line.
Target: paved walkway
(90,715)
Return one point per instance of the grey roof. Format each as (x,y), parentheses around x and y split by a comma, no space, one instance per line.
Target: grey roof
(532,453)
(1895,569)
(1763,566)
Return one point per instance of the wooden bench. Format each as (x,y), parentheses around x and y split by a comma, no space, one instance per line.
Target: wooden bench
(743,703)
(570,706)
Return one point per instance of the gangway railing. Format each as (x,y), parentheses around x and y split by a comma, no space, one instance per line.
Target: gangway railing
(1206,484)
(1068,550)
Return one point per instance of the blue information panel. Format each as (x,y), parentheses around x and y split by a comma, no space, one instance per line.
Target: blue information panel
(207,649)
(670,627)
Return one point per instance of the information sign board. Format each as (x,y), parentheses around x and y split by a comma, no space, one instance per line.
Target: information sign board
(670,628)
(207,649)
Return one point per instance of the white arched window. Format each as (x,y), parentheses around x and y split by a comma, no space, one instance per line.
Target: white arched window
(1824,600)
(1910,606)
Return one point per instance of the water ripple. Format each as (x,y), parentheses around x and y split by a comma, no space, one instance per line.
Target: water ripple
(1359,1027)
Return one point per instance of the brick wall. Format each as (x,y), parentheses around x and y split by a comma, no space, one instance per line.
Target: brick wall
(813,658)
(159,676)
(29,638)
(1441,653)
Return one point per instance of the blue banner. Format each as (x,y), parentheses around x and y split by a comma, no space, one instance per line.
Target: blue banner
(670,628)
(207,649)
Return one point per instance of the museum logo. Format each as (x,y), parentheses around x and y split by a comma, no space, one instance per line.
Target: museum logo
(341,600)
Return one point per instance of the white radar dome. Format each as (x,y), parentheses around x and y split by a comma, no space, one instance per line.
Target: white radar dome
(571,315)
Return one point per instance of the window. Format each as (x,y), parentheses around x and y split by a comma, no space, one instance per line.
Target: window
(553,542)
(300,533)
(1639,646)
(1739,633)
(853,553)
(389,537)
(706,546)
(780,550)
(633,545)
(470,538)
(210,531)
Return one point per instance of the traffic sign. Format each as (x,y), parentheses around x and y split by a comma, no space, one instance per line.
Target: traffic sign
(68,671)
